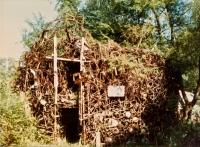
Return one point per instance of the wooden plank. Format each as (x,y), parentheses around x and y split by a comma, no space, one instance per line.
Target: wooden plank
(81,55)
(55,65)
(88,99)
(55,85)
(65,59)
(81,90)
(98,139)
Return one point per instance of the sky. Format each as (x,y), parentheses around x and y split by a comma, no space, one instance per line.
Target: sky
(13,14)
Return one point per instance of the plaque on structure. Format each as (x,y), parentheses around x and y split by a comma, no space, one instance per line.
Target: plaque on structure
(116,91)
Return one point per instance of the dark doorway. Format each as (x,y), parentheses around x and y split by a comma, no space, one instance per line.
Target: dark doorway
(71,124)
(70,116)
(72,67)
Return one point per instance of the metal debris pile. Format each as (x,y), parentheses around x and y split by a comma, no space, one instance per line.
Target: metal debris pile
(137,115)
(85,70)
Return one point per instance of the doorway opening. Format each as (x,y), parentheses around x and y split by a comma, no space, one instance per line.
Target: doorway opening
(70,122)
(70,116)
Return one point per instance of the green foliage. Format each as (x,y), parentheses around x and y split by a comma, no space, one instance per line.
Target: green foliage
(109,19)
(190,79)
(136,33)
(68,6)
(124,62)
(7,64)
(17,127)
(120,62)
(183,134)
(36,25)
(125,21)
(172,102)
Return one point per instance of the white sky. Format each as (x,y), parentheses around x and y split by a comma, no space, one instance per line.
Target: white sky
(12,20)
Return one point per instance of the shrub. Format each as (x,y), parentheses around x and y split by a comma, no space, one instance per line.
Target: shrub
(16,126)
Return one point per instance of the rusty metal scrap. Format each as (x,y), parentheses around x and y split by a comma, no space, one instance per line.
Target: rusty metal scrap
(126,118)
(135,116)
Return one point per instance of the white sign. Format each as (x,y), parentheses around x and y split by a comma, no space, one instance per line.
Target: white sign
(116,91)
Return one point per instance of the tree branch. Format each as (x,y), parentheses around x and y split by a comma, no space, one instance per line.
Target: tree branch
(158,23)
(196,93)
(181,87)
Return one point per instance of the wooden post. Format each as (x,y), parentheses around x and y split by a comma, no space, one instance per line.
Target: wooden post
(55,86)
(88,100)
(81,55)
(81,108)
(81,87)
(80,101)
(98,139)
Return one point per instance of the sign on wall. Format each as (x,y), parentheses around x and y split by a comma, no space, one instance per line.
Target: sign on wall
(116,91)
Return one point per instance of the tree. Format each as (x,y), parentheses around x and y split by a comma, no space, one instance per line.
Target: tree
(184,60)
(111,19)
(114,19)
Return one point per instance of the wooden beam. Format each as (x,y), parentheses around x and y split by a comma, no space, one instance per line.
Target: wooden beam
(81,108)
(98,139)
(55,85)
(81,55)
(64,59)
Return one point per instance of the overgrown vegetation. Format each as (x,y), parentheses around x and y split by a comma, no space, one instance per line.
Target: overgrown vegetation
(17,126)
(183,134)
